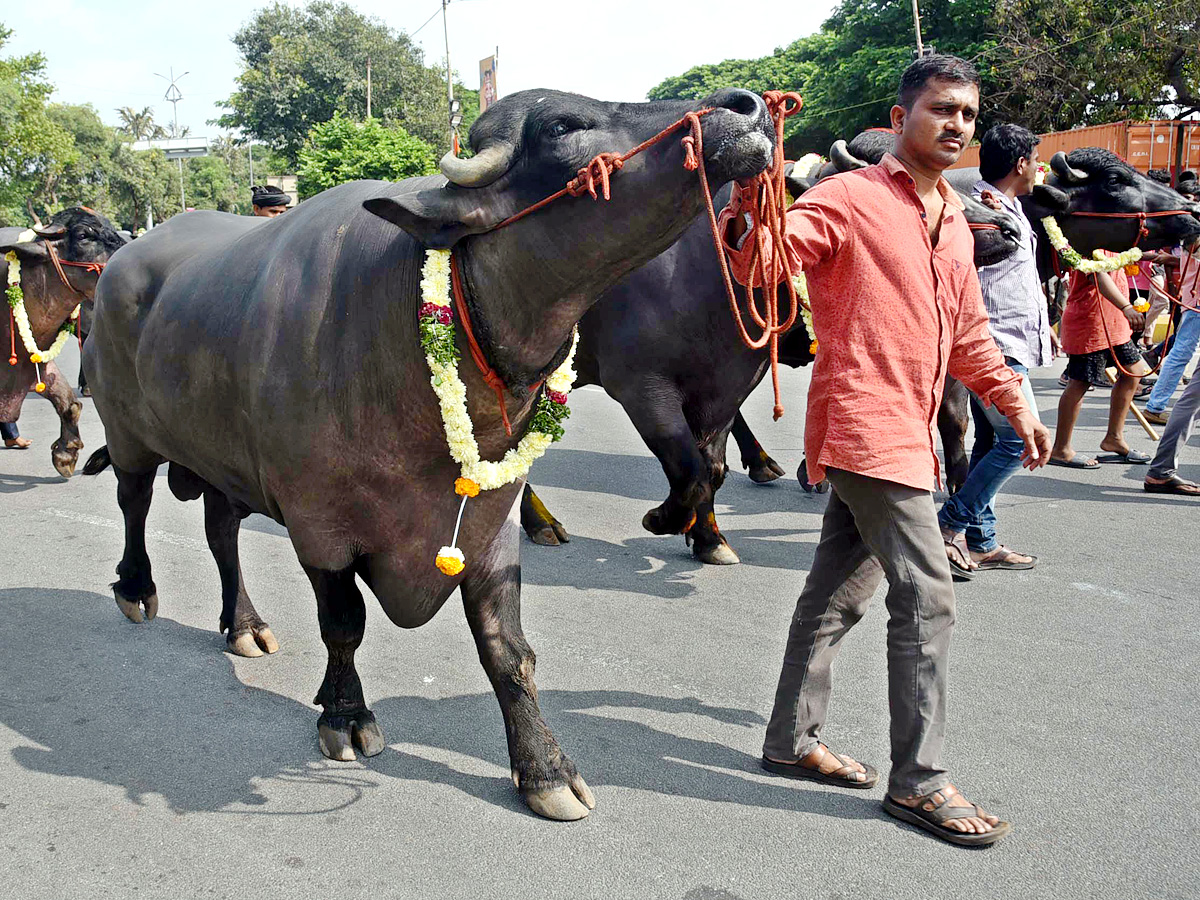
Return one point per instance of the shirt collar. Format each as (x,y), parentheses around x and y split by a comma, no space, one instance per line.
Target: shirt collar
(896,169)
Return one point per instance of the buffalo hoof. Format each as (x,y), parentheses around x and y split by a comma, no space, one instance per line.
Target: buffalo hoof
(550,534)
(716,554)
(132,608)
(251,643)
(63,458)
(339,735)
(562,802)
(764,470)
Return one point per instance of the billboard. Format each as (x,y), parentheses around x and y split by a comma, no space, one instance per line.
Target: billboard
(488,94)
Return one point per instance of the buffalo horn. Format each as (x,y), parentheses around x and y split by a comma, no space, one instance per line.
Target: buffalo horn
(843,159)
(1060,167)
(481,169)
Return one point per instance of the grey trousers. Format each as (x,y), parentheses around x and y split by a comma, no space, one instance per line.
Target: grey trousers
(873,528)
(1178,430)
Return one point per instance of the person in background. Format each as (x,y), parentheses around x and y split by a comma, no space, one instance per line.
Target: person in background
(1020,324)
(1186,338)
(1096,330)
(269,201)
(12,437)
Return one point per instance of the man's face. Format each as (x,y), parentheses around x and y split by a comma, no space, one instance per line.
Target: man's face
(269,212)
(934,133)
(1026,171)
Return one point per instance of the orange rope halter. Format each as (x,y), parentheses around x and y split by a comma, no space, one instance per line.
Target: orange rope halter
(599,172)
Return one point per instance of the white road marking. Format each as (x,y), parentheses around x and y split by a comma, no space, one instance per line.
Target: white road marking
(151,533)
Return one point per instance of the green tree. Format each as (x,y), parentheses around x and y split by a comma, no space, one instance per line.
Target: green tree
(34,150)
(210,184)
(342,150)
(139,124)
(85,180)
(141,183)
(301,66)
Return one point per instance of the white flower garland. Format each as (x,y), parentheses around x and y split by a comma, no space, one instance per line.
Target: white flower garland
(1072,257)
(16,301)
(800,283)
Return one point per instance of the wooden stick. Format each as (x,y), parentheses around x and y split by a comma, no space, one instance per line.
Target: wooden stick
(1111,374)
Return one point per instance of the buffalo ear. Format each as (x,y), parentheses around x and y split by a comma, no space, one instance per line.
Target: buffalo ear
(1051,199)
(434,217)
(27,250)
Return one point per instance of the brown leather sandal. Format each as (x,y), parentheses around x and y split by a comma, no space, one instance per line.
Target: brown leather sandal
(933,819)
(807,768)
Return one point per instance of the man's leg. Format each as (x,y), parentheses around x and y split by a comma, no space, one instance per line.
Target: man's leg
(898,525)
(1118,409)
(836,594)
(1179,429)
(1176,362)
(11,436)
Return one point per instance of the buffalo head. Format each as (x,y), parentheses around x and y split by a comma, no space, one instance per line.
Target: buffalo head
(1091,179)
(78,235)
(531,143)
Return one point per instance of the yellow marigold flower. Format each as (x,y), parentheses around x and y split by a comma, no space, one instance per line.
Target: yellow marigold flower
(35,357)
(450,561)
(40,387)
(465,487)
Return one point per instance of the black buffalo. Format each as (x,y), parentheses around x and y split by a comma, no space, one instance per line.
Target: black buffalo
(78,235)
(275,364)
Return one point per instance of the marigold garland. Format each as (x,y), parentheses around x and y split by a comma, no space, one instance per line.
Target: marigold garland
(436,326)
(800,283)
(1072,257)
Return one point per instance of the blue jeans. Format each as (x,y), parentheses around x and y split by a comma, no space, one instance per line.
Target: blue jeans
(1186,340)
(971,509)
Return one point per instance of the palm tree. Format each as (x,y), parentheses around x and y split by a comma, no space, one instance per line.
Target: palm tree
(139,125)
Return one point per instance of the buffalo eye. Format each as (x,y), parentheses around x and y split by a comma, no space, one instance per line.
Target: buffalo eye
(558,129)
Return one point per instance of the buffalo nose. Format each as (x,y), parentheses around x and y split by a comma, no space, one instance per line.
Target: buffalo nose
(740,101)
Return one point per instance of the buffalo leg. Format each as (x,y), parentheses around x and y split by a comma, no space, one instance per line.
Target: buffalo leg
(346,722)
(708,544)
(64,452)
(658,418)
(247,634)
(539,523)
(953,416)
(134,587)
(491,592)
(758,465)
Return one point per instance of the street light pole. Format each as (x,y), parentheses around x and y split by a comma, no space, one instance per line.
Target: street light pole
(917,28)
(449,76)
(174,95)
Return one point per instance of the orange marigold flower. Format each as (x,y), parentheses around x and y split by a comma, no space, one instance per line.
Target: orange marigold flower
(465,487)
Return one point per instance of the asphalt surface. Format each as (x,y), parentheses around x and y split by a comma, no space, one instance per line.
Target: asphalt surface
(144,761)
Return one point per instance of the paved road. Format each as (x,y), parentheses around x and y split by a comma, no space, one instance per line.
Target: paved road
(144,761)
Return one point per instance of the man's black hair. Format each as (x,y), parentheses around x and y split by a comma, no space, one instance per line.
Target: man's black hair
(1003,146)
(1162,176)
(937,67)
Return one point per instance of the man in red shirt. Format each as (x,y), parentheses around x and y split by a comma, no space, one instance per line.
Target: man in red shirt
(1096,331)
(896,307)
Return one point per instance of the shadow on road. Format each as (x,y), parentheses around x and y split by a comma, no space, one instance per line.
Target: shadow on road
(15,484)
(158,710)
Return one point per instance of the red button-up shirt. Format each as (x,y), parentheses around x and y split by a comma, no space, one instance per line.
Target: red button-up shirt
(893,316)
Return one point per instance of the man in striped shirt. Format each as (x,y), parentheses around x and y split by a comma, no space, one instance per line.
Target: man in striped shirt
(1020,324)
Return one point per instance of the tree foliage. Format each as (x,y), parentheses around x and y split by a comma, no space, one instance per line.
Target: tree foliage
(303,66)
(1048,66)
(342,150)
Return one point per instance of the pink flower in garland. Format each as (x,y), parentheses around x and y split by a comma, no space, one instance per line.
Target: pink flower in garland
(557,396)
(440,314)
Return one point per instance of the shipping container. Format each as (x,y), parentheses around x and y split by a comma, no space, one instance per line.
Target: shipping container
(1154,144)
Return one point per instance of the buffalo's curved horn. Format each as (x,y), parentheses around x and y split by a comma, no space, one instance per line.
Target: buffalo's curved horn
(844,159)
(1060,167)
(481,169)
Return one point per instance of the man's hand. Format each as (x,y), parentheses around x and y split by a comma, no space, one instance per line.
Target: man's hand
(990,200)
(1055,345)
(743,200)
(1036,437)
(1136,320)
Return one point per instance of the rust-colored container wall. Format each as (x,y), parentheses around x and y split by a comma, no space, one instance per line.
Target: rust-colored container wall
(1148,145)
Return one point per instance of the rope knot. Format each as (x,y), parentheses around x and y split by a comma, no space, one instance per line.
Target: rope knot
(599,169)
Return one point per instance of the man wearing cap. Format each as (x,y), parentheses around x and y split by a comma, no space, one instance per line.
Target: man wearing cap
(269,201)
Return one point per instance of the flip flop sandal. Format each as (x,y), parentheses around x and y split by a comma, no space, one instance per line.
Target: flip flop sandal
(932,820)
(1075,462)
(959,570)
(1004,560)
(838,777)
(1173,485)
(1133,457)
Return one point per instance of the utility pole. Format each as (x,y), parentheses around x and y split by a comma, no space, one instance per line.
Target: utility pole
(917,29)
(174,95)
(368,87)
(449,77)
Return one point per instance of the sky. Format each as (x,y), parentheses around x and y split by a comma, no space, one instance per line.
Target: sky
(108,54)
